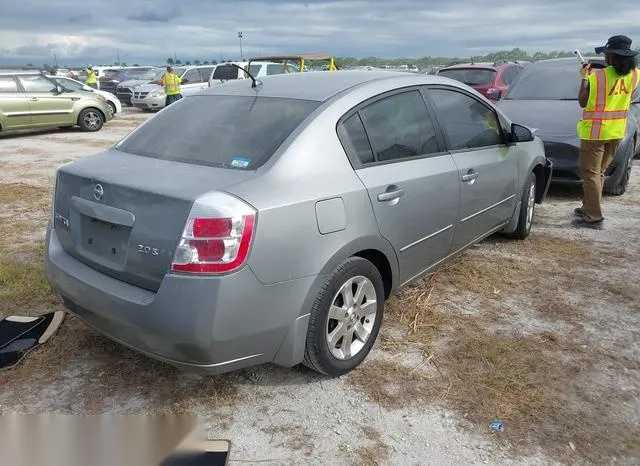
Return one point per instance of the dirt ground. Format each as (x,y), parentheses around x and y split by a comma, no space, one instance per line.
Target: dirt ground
(541,334)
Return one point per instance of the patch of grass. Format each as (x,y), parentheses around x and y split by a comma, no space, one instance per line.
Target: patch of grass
(554,307)
(11,193)
(23,285)
(635,202)
(456,319)
(375,453)
(293,437)
(626,291)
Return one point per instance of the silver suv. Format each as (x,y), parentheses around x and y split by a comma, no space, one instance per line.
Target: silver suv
(30,99)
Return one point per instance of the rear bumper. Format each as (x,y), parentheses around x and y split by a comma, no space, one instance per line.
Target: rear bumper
(205,324)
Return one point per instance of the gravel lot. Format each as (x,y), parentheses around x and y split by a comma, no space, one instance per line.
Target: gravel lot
(543,334)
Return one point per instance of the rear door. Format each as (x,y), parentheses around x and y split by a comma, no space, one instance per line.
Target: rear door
(47,107)
(412,182)
(14,107)
(488,175)
(192,82)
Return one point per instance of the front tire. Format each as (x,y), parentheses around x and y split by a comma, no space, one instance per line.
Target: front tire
(90,119)
(527,209)
(345,318)
(113,107)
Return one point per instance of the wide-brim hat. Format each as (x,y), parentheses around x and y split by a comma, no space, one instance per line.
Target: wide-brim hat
(618,45)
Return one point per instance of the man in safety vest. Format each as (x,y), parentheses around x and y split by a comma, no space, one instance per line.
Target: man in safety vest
(171,83)
(92,77)
(605,96)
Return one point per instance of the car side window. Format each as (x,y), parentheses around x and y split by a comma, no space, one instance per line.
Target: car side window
(275,69)
(71,85)
(36,84)
(399,126)
(205,73)
(8,84)
(354,138)
(192,76)
(467,122)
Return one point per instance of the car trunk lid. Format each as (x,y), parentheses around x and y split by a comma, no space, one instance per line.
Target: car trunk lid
(123,215)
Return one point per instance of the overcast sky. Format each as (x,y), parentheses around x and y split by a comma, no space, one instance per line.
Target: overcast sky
(149,31)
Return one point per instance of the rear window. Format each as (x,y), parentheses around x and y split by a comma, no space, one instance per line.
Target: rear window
(220,131)
(534,82)
(226,72)
(470,76)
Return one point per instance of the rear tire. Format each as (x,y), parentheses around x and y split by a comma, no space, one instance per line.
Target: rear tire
(621,187)
(527,209)
(91,119)
(345,318)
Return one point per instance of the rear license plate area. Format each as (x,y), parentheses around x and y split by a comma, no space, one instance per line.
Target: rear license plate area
(105,240)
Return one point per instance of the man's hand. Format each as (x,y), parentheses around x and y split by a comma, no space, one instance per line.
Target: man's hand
(585,70)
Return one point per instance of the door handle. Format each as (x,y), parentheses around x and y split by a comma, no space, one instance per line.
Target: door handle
(34,99)
(392,193)
(470,176)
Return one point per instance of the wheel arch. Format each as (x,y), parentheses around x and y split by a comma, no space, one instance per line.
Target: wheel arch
(372,248)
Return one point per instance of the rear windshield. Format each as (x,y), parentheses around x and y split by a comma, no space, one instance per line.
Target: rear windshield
(226,72)
(470,76)
(533,83)
(220,131)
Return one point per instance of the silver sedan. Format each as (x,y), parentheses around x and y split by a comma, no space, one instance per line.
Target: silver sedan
(268,222)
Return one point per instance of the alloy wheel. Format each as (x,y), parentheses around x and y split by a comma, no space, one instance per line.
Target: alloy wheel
(352,316)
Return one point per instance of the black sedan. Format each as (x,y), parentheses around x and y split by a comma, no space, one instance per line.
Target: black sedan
(544,97)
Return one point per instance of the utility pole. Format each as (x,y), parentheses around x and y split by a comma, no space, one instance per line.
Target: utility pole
(55,57)
(240,37)
(118,53)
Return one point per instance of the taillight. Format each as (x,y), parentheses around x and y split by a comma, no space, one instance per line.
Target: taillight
(216,243)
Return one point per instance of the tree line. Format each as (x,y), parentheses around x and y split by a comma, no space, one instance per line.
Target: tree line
(516,54)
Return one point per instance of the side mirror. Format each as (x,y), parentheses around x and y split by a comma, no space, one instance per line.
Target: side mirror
(520,133)
(185,81)
(58,89)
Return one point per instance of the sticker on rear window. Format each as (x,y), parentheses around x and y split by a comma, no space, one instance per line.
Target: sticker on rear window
(240,162)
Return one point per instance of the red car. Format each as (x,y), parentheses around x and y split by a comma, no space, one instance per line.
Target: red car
(490,79)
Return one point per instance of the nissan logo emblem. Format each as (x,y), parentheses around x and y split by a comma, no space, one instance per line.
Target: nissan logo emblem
(98,192)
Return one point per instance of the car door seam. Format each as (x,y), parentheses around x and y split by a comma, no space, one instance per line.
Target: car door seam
(436,233)
(486,209)
(456,252)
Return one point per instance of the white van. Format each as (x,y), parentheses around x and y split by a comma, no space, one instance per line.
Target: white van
(224,72)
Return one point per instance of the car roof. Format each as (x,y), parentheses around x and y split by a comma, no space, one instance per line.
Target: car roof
(18,72)
(493,65)
(564,62)
(320,86)
(304,56)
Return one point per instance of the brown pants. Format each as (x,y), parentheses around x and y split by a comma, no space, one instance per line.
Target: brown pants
(595,158)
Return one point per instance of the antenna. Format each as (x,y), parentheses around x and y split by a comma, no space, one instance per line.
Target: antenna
(254,81)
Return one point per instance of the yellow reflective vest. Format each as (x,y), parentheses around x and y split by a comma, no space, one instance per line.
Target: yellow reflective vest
(171,83)
(605,116)
(91,77)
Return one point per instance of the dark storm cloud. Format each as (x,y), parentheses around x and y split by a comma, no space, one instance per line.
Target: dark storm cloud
(146,31)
